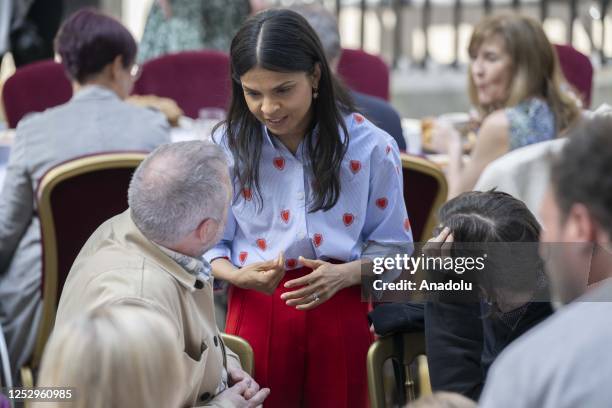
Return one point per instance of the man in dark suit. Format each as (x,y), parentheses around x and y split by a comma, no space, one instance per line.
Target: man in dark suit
(377,110)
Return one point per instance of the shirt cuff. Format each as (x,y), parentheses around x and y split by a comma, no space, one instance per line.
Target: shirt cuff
(217,252)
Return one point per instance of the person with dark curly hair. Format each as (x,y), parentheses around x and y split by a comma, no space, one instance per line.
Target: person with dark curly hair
(98,54)
(463,335)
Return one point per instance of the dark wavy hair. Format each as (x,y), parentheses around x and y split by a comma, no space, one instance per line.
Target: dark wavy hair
(283,41)
(502,226)
(89,40)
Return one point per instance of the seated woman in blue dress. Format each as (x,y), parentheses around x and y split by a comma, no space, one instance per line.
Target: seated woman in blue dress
(514,83)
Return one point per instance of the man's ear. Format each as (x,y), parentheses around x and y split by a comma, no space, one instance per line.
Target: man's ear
(207,230)
(580,226)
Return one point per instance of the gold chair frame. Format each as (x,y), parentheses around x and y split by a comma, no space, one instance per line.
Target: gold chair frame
(46,187)
(241,347)
(429,168)
(384,349)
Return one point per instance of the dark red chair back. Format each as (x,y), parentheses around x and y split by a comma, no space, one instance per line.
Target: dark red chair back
(425,190)
(194,79)
(34,88)
(578,71)
(365,73)
(74,199)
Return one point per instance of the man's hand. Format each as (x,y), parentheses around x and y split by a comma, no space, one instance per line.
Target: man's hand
(261,276)
(235,396)
(237,374)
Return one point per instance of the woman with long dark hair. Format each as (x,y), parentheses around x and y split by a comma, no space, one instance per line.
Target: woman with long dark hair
(317,188)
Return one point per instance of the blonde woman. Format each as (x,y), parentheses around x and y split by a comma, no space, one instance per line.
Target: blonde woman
(115,356)
(514,83)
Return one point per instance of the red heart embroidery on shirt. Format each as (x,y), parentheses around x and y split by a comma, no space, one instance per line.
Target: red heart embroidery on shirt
(358,118)
(243,257)
(285,216)
(388,149)
(317,240)
(261,243)
(246,193)
(279,163)
(407,224)
(382,203)
(291,263)
(348,219)
(355,166)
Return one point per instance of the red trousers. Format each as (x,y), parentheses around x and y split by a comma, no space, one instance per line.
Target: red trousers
(314,358)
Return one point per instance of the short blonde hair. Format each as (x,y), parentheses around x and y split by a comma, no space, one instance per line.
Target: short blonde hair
(115,356)
(535,67)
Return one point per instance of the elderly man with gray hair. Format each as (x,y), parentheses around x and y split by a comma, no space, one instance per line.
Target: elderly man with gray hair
(151,255)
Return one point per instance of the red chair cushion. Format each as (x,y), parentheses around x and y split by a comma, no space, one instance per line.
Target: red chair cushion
(578,71)
(194,79)
(34,88)
(420,192)
(365,73)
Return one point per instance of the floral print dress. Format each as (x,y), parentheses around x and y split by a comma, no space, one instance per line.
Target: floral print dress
(531,121)
(194,25)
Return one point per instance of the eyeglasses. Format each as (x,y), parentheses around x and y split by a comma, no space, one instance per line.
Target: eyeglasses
(135,71)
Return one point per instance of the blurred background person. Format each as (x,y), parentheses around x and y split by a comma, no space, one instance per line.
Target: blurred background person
(182,25)
(565,362)
(381,113)
(98,54)
(463,338)
(514,82)
(117,355)
(28,27)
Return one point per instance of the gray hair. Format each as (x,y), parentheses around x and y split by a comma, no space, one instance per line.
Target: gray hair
(324,24)
(177,187)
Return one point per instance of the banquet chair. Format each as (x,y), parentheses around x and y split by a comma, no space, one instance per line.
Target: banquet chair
(241,347)
(425,190)
(365,73)
(578,71)
(73,199)
(404,349)
(193,79)
(34,88)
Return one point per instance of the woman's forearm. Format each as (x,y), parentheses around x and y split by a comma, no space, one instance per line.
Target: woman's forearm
(223,269)
(352,271)
(455,170)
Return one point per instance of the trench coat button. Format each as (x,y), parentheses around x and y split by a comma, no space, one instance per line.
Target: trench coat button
(199,284)
(216,340)
(205,396)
